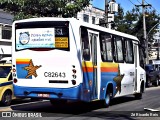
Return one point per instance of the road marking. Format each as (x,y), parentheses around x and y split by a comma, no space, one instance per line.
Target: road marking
(150,109)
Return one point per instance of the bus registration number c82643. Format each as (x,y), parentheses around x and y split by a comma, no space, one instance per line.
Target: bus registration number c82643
(55,74)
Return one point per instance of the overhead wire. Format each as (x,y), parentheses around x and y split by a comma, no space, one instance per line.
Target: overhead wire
(153,7)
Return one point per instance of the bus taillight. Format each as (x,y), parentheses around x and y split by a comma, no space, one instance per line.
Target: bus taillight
(74,76)
(15,80)
(74,71)
(73,82)
(14,70)
(14,74)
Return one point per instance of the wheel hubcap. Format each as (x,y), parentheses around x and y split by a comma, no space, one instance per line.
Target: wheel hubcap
(107,99)
(7,98)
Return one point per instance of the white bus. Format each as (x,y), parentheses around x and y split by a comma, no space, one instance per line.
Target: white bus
(64,59)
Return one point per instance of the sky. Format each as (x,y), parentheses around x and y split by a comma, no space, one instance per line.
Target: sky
(129,4)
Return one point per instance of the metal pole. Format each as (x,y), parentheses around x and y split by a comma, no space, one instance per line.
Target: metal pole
(106,13)
(152,28)
(158,49)
(158,46)
(144,32)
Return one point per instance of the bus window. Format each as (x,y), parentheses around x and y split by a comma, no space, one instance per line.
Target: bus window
(106,47)
(42,35)
(129,51)
(118,51)
(85,44)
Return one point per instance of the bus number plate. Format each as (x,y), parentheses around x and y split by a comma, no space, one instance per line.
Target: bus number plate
(43,95)
(55,74)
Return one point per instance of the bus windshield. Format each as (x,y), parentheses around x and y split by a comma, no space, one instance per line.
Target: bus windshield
(42,34)
(4,71)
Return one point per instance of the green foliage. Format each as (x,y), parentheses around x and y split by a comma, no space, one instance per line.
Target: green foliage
(22,9)
(132,22)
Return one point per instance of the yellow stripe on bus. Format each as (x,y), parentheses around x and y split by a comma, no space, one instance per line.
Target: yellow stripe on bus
(108,64)
(23,60)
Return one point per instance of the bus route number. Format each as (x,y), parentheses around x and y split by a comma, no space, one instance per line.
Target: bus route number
(55,74)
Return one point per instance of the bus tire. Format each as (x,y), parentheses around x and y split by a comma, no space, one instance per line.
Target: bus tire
(107,99)
(6,98)
(138,96)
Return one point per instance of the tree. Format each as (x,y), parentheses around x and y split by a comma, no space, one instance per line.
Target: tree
(132,22)
(22,9)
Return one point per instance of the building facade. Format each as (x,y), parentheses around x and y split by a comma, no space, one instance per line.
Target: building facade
(96,15)
(5,33)
(155,48)
(91,15)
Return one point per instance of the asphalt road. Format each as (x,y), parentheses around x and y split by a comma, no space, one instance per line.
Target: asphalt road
(121,108)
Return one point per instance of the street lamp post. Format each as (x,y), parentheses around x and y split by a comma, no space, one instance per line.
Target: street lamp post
(147,57)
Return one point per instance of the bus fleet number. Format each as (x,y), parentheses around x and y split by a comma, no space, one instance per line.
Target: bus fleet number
(55,74)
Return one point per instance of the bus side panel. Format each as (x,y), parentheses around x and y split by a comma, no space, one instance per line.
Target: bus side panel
(109,73)
(87,68)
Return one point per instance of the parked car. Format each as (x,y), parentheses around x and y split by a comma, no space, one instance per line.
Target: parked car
(152,75)
(6,86)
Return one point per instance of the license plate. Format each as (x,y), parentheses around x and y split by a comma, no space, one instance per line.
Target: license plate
(43,95)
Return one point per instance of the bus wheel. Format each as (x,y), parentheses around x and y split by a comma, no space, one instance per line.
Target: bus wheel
(6,98)
(139,95)
(58,102)
(107,99)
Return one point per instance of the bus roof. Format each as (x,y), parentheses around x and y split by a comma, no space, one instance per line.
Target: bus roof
(81,23)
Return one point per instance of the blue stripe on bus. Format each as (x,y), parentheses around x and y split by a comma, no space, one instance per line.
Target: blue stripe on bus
(6,83)
(73,93)
(21,72)
(106,78)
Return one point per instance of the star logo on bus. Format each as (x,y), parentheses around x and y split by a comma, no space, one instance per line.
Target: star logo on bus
(31,69)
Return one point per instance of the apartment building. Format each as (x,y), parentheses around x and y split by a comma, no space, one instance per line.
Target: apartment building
(91,15)
(5,33)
